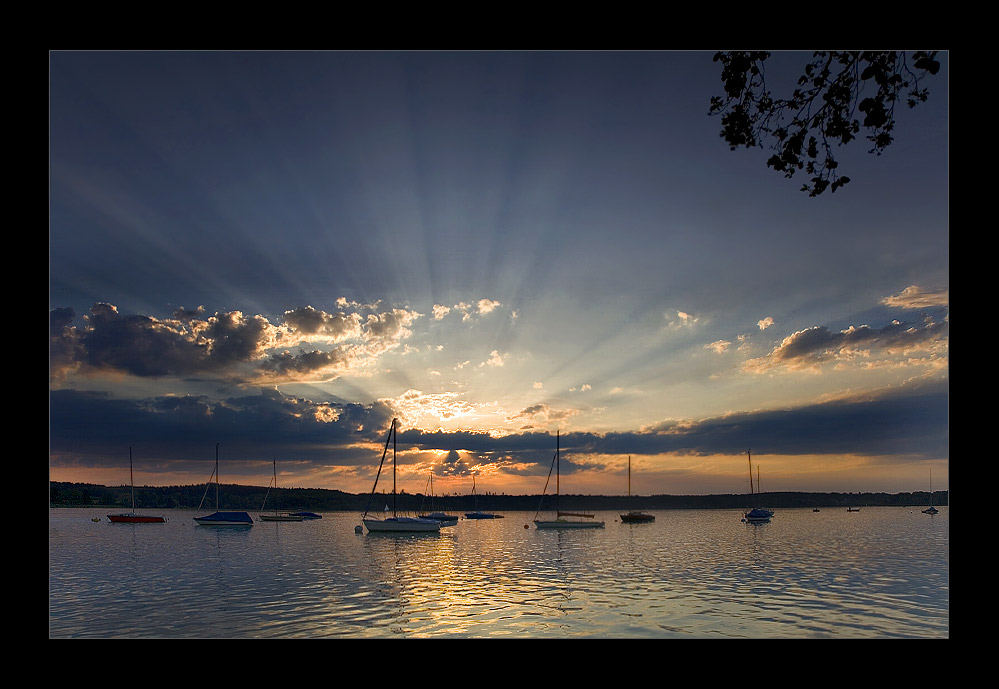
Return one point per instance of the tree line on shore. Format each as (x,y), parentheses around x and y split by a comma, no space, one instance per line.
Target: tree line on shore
(236,497)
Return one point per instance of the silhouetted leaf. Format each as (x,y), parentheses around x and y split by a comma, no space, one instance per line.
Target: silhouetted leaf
(822,107)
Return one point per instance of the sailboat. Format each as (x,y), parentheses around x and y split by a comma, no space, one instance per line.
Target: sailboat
(931,509)
(443,518)
(757,515)
(218,518)
(635,516)
(476,514)
(276,517)
(560,522)
(307,516)
(132,517)
(395,523)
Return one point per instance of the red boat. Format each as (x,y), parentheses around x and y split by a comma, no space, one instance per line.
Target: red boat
(135,519)
(132,517)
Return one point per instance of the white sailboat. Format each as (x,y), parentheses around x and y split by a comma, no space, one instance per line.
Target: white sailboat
(395,523)
(635,516)
(931,509)
(560,521)
(276,517)
(218,518)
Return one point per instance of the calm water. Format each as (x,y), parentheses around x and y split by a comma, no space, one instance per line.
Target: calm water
(878,573)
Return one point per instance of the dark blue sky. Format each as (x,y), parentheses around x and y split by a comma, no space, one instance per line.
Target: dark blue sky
(491,243)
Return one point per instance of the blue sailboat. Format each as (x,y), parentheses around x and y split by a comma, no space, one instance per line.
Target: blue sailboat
(757,515)
(219,518)
(476,514)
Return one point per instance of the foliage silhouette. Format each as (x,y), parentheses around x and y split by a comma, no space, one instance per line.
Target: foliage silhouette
(823,108)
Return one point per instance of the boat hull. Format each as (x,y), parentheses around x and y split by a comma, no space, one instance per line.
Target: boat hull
(402,525)
(637,518)
(442,519)
(757,516)
(135,519)
(482,515)
(308,515)
(280,518)
(225,519)
(567,524)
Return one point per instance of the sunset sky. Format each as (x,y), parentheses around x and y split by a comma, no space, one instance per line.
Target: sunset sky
(280,252)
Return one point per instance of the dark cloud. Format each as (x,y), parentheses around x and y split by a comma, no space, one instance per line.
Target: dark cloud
(819,344)
(910,421)
(226,346)
(257,426)
(288,366)
(307,320)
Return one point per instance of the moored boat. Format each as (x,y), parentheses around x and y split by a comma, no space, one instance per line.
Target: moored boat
(635,516)
(395,524)
(931,509)
(133,517)
(560,521)
(442,518)
(476,513)
(219,518)
(276,516)
(756,515)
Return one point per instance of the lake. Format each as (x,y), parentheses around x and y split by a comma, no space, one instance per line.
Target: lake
(882,572)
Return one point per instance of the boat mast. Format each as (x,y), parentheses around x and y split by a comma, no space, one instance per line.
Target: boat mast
(132,481)
(557,470)
(216,477)
(750,455)
(629,476)
(394,435)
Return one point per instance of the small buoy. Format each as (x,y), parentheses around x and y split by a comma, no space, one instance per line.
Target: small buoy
(526,526)
(358,529)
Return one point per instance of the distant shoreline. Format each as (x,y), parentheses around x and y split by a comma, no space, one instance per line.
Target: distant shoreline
(64,494)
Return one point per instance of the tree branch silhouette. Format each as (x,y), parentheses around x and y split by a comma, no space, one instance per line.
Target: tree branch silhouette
(822,111)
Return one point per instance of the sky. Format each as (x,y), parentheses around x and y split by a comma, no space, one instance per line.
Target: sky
(280,252)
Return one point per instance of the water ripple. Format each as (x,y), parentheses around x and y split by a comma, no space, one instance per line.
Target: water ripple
(690,574)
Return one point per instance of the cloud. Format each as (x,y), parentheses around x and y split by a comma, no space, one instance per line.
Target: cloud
(813,346)
(228,346)
(765,323)
(915,297)
(719,346)
(495,359)
(468,311)
(909,421)
(543,414)
(683,320)
(488,305)
(149,347)
(310,323)
(255,426)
